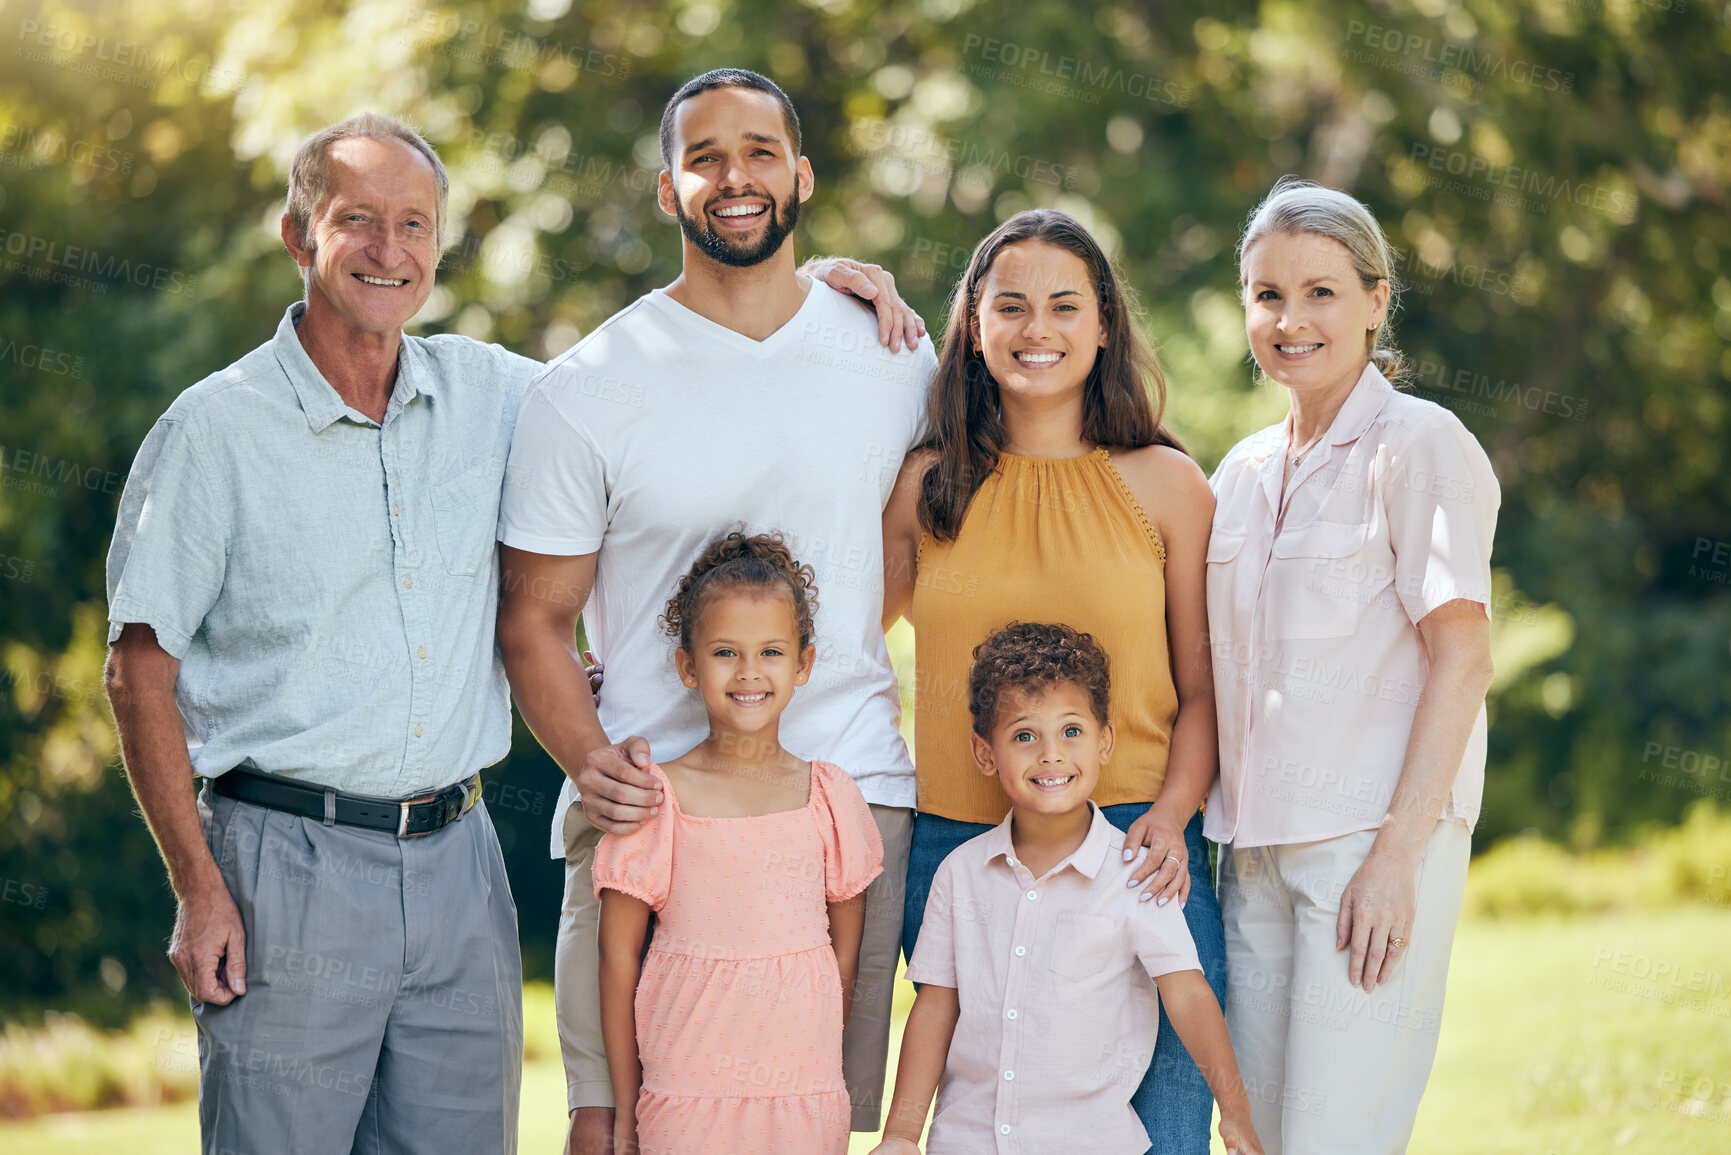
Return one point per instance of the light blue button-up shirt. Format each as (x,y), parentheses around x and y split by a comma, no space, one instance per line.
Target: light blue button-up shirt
(328,583)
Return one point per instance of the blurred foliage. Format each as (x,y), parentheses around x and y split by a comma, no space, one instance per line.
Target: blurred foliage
(1554,173)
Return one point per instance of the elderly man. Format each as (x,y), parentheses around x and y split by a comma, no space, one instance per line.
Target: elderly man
(302,589)
(302,592)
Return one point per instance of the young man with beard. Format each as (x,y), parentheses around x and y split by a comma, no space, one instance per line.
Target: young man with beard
(685,414)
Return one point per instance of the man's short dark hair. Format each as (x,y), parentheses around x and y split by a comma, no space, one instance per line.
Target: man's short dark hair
(726,78)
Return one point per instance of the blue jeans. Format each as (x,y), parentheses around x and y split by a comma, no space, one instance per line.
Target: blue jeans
(1173,1102)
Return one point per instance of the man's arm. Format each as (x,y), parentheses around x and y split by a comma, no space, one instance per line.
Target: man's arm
(876,287)
(537,634)
(208,947)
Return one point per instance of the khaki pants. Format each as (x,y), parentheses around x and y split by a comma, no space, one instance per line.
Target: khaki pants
(1331,1070)
(577,981)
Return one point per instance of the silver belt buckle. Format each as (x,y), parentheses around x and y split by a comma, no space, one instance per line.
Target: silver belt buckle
(403,819)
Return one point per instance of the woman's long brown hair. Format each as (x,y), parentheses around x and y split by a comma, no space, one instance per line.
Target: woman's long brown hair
(1123,398)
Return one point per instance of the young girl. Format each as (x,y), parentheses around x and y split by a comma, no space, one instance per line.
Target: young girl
(727,1035)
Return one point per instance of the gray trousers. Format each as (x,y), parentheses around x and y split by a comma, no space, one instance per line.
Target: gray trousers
(384,990)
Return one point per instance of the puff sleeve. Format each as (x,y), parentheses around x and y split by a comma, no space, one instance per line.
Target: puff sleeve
(640,863)
(853,852)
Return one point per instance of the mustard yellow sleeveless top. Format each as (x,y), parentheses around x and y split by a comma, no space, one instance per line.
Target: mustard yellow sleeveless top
(1043,541)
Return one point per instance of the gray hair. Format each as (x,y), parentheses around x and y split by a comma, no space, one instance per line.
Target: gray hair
(1294,206)
(310,173)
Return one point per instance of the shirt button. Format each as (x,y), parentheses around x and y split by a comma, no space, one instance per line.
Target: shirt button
(395,510)
(1020,951)
(1033,894)
(1009,1076)
(1003,1128)
(1010,1014)
(418,730)
(421,653)
(408,583)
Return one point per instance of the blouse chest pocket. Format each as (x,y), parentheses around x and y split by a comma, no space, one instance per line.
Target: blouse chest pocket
(1082,945)
(464,519)
(1319,581)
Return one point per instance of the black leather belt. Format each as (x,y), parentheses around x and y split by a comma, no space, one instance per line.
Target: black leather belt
(406,817)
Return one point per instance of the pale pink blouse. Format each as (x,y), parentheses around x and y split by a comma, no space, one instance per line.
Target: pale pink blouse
(1313,605)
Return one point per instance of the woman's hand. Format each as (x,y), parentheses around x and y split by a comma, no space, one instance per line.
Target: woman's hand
(901,1147)
(1167,867)
(1239,1137)
(1376,916)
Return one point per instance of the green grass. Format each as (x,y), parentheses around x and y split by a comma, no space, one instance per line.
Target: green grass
(1551,1044)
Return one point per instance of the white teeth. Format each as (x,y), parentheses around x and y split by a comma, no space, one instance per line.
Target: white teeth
(1039,358)
(1052,781)
(739,211)
(381,281)
(750,699)
(1298,348)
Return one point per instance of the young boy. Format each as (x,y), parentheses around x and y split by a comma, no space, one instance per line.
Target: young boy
(1033,963)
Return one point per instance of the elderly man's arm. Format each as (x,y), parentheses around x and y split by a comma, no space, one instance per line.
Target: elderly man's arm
(208,947)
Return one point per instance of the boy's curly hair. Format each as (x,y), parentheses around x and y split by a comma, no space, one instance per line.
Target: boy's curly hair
(1033,657)
(759,560)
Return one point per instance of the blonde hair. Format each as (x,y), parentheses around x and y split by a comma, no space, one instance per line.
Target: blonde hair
(310,172)
(1294,206)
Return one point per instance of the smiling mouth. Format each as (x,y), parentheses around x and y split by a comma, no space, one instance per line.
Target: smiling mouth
(756,699)
(387,282)
(738,212)
(1038,358)
(1299,350)
(1053,782)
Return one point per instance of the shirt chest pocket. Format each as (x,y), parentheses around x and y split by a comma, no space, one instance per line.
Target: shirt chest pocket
(1083,945)
(465,517)
(1319,581)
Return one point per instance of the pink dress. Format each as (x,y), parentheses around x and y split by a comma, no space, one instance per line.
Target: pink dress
(739,1005)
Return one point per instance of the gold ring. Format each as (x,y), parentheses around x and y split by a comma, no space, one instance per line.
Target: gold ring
(1397,943)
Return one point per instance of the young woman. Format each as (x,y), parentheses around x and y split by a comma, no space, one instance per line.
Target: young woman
(1050,492)
(1348,591)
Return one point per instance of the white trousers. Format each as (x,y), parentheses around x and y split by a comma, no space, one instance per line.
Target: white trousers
(1331,1070)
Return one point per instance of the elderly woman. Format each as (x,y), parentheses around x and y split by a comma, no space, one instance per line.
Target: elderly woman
(1348,607)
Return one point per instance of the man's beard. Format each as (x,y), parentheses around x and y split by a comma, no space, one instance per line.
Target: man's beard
(740,253)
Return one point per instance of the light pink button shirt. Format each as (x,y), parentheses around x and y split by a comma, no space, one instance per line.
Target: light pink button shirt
(1313,607)
(1058,1013)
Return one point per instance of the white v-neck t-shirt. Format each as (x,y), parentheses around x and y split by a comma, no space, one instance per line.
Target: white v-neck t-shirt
(662,430)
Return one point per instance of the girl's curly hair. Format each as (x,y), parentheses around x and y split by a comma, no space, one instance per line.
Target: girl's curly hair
(1034,657)
(758,561)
